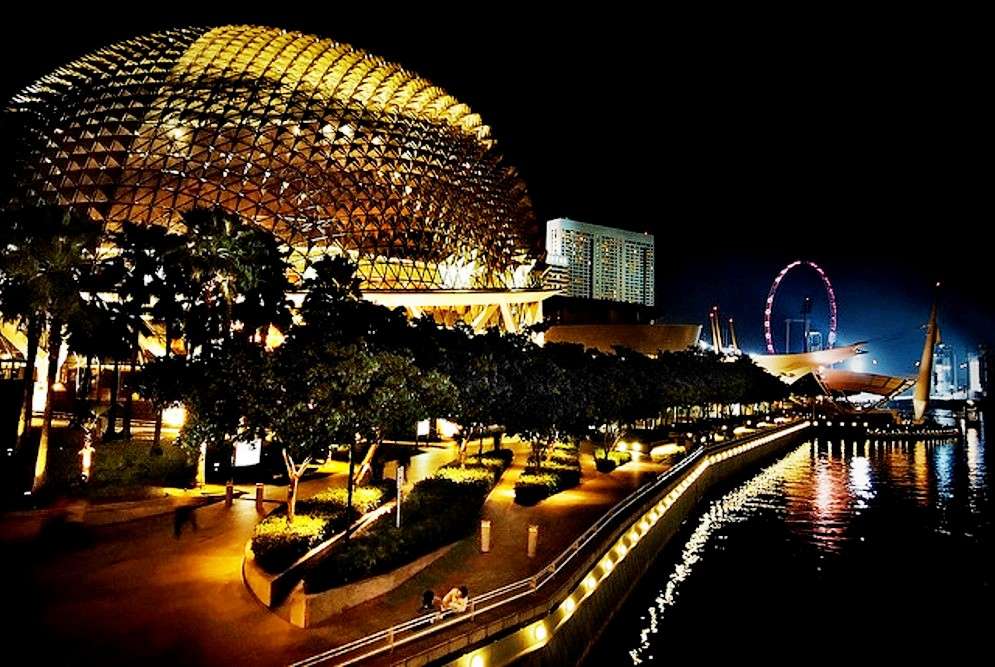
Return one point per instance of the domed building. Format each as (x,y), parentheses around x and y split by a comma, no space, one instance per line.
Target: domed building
(331,148)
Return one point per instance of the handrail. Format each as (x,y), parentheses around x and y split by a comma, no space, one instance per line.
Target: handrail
(523,587)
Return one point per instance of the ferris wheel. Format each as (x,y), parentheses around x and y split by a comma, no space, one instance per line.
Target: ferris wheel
(769,307)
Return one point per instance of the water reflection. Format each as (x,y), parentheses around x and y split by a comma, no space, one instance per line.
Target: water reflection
(830,529)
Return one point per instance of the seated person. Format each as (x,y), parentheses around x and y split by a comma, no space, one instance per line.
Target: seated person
(428,601)
(456,600)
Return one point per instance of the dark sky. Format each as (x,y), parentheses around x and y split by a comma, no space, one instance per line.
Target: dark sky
(742,141)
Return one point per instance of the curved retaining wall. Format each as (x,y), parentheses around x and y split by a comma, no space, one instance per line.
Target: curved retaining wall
(309,609)
(561,630)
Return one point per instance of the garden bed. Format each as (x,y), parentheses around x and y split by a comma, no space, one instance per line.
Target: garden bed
(439,510)
(277,545)
(121,469)
(559,471)
(614,459)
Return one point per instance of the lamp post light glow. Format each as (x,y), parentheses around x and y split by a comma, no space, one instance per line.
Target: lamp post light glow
(174,416)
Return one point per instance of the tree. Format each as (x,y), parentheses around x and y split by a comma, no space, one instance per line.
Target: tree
(539,406)
(236,280)
(24,234)
(136,274)
(345,374)
(227,395)
(64,254)
(294,473)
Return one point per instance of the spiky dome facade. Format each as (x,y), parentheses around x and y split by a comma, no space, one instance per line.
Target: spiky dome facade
(327,146)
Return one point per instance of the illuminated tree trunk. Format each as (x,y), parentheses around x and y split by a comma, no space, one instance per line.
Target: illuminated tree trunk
(349,483)
(41,462)
(27,407)
(129,400)
(294,473)
(157,434)
(115,388)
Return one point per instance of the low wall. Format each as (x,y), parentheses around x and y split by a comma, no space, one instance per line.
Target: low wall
(271,589)
(561,629)
(308,609)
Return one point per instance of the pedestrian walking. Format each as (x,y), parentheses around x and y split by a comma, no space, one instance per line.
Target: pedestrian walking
(183,515)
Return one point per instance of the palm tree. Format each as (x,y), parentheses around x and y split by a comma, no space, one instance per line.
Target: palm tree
(67,258)
(22,294)
(135,272)
(18,305)
(170,291)
(237,274)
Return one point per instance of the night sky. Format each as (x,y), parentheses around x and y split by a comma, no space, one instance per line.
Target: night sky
(742,141)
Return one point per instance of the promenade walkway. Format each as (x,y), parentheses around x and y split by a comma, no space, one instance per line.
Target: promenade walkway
(561,519)
(129,592)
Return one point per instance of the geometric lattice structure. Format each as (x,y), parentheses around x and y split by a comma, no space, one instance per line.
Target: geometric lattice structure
(329,147)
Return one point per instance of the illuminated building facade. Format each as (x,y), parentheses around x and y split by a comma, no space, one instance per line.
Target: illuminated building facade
(332,149)
(814,341)
(603,262)
(944,368)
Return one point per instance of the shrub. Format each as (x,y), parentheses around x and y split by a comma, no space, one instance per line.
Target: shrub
(118,466)
(569,447)
(470,476)
(604,465)
(334,501)
(277,545)
(532,487)
(567,474)
(619,457)
(503,457)
(564,456)
(439,510)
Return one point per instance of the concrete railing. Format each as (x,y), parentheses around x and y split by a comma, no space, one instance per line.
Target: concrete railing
(611,529)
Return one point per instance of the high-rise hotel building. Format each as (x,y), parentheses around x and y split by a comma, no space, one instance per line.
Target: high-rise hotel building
(595,262)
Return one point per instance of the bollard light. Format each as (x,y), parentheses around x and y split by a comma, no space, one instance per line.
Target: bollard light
(485,535)
(533,540)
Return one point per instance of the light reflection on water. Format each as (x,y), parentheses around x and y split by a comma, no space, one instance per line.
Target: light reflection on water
(829,530)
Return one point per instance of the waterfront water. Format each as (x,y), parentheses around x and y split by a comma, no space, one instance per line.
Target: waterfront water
(852,551)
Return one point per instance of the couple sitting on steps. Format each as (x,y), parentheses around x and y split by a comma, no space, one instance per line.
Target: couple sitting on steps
(455,601)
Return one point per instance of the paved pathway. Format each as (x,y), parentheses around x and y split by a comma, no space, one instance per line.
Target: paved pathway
(561,519)
(132,592)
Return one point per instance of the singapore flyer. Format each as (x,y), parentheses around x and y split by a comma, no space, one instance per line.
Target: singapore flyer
(769,307)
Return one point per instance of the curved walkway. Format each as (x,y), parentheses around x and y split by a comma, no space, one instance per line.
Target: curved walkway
(132,592)
(561,519)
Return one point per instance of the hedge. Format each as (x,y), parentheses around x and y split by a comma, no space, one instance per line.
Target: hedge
(277,544)
(568,474)
(563,456)
(120,465)
(481,477)
(495,457)
(439,510)
(619,457)
(560,471)
(332,501)
(604,465)
(532,487)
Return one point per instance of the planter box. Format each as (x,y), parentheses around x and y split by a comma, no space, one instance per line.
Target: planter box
(307,610)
